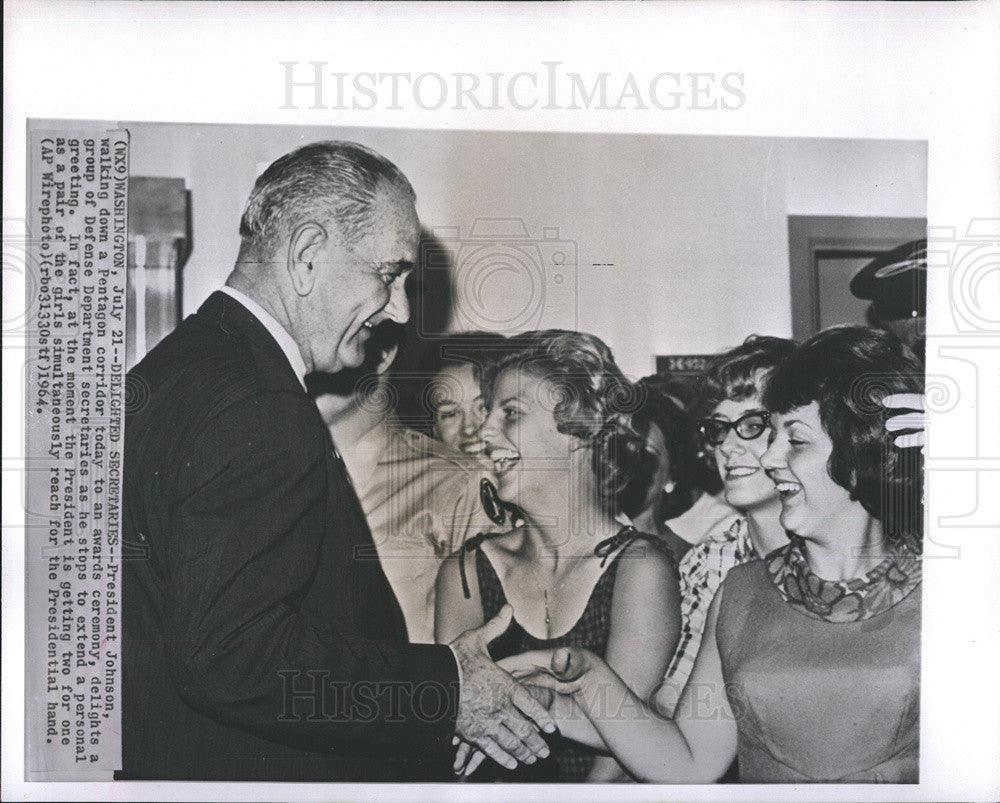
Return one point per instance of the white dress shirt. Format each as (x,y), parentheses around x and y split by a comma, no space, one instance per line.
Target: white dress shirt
(278,332)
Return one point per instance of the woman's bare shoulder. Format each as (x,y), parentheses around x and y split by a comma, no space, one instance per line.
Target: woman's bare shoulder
(647,560)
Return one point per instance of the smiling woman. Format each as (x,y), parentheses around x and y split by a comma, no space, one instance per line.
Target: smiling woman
(453,397)
(810,660)
(560,438)
(736,434)
(567,384)
(833,414)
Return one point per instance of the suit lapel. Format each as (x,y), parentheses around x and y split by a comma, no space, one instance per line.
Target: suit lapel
(349,568)
(236,321)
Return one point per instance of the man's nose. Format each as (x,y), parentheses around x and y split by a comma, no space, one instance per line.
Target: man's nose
(398,308)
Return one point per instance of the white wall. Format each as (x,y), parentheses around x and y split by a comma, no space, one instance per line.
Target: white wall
(682,242)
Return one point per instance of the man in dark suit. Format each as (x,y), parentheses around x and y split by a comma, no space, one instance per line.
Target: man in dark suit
(261,640)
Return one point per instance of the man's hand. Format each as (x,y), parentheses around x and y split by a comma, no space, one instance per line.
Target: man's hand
(495,713)
(914,419)
(468,758)
(538,671)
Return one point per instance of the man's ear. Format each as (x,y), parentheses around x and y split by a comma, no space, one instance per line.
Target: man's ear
(304,247)
(388,356)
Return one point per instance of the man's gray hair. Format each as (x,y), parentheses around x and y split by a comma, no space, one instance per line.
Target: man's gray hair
(323,181)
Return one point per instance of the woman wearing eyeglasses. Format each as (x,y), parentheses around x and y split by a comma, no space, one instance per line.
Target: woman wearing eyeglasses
(735,431)
(809,669)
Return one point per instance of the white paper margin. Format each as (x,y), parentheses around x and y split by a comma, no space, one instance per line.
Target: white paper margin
(926,71)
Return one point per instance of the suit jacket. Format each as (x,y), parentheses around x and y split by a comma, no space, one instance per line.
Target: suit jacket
(261,639)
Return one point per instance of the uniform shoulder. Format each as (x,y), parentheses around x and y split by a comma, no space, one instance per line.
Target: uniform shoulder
(415,444)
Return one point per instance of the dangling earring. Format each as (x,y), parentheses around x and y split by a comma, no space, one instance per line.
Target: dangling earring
(490,500)
(668,488)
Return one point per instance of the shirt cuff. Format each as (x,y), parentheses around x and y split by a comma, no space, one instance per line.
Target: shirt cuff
(458,665)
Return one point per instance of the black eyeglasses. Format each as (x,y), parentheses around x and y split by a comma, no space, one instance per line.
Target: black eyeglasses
(748,427)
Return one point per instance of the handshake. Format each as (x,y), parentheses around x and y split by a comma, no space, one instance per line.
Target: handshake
(501,713)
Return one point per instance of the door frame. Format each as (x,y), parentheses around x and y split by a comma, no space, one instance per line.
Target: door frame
(812,237)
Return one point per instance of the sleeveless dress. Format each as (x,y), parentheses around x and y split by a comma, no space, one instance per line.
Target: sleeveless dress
(823,677)
(568,761)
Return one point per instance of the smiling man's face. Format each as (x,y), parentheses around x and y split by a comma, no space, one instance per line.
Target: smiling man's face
(361,284)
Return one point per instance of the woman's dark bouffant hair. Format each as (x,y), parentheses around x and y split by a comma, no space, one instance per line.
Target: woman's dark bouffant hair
(590,396)
(848,370)
(681,440)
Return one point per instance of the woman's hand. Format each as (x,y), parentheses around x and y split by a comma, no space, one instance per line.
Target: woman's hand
(534,662)
(560,670)
(570,664)
(913,419)
(467,758)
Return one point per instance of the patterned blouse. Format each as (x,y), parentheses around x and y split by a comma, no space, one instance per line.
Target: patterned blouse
(702,571)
